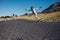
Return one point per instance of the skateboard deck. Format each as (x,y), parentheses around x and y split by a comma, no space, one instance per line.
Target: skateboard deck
(39,20)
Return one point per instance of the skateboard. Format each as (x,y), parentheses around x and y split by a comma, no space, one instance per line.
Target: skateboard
(39,20)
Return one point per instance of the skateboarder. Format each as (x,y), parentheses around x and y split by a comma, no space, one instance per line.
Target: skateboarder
(34,11)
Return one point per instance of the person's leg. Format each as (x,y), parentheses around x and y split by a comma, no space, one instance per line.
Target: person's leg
(36,16)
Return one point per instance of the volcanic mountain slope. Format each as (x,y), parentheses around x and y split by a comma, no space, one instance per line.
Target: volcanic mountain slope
(54,7)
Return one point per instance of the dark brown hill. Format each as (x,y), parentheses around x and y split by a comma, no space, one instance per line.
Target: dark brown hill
(54,7)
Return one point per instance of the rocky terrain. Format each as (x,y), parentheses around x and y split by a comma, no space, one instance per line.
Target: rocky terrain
(53,8)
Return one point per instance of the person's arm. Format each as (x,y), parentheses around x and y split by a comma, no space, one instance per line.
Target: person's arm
(27,10)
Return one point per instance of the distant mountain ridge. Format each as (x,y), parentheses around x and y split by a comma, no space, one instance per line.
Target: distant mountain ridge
(54,7)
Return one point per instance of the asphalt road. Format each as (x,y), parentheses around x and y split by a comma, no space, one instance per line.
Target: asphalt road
(29,30)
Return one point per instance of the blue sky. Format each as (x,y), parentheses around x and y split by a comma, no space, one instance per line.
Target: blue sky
(8,7)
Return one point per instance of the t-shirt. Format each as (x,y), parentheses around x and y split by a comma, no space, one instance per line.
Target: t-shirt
(33,10)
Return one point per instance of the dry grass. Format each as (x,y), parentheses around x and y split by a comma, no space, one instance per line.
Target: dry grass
(5,19)
(55,16)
